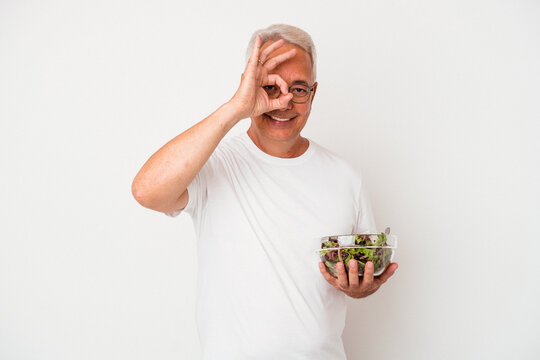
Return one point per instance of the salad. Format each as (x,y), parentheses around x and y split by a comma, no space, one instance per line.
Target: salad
(366,247)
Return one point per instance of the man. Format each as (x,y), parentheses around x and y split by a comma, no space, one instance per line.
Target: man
(260,202)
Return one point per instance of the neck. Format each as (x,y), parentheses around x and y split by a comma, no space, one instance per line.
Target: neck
(286,148)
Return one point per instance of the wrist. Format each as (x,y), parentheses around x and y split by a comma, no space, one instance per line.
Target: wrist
(236,110)
(229,115)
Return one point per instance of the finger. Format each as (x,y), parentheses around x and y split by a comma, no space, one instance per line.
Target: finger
(270,49)
(387,273)
(368,274)
(342,280)
(274,79)
(328,277)
(254,57)
(281,102)
(354,278)
(276,60)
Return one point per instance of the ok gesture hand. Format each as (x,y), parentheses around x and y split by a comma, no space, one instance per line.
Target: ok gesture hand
(250,98)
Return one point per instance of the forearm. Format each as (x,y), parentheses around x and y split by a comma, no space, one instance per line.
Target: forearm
(167,173)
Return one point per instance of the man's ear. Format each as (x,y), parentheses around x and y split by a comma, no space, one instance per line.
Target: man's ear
(314,91)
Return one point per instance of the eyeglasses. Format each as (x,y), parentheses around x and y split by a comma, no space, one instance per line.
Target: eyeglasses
(301,93)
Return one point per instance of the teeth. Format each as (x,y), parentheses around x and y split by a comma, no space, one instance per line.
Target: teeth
(279,119)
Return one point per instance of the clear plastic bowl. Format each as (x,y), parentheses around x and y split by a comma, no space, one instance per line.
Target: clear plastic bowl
(378,248)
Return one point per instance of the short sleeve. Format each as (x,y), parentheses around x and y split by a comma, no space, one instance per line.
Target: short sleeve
(197,190)
(365,221)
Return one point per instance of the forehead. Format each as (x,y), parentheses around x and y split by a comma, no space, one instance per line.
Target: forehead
(298,67)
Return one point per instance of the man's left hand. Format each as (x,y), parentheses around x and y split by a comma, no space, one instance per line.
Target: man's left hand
(354,287)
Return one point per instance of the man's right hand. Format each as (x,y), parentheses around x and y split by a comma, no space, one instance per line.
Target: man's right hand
(250,99)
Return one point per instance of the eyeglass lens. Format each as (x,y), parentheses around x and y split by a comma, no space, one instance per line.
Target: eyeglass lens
(300,93)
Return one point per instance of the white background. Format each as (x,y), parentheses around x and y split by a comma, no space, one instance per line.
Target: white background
(437,103)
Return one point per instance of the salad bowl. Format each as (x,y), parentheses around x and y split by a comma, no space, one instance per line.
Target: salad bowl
(377,248)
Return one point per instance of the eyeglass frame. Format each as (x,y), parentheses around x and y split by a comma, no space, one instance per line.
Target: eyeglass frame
(311,87)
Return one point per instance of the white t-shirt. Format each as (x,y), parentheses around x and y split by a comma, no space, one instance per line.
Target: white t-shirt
(258,221)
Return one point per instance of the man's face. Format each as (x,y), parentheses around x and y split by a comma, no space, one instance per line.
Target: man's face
(297,70)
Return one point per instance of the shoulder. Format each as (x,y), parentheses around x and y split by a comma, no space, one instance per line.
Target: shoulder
(228,149)
(233,144)
(334,162)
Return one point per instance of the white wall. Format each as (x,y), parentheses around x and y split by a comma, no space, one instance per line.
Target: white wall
(436,102)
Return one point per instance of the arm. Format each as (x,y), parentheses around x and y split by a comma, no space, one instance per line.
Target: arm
(162,182)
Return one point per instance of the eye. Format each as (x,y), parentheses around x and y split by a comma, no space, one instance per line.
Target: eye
(299,91)
(269,87)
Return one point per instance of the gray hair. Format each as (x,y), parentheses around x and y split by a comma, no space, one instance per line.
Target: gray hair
(290,34)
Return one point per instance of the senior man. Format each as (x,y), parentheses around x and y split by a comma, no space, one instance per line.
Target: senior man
(260,201)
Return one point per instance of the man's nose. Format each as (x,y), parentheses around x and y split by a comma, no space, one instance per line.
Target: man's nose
(289,105)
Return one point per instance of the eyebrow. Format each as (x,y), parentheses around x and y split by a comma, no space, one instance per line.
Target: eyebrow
(300,82)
